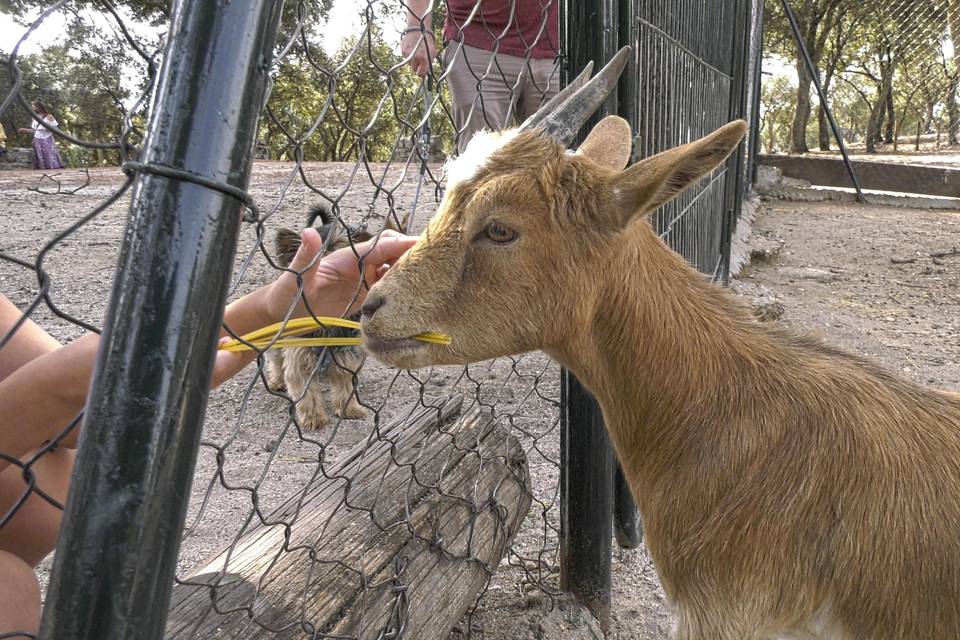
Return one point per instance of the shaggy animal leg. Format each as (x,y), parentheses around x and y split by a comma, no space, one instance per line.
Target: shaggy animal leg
(343,393)
(274,370)
(305,388)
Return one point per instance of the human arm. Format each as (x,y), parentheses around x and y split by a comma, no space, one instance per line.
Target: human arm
(418,45)
(47,384)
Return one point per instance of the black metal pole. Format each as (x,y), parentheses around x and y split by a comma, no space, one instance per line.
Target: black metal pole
(757,80)
(808,61)
(627,527)
(739,36)
(587,462)
(117,553)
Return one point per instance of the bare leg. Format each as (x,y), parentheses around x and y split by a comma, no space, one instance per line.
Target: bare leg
(32,532)
(28,537)
(304,387)
(28,343)
(19,596)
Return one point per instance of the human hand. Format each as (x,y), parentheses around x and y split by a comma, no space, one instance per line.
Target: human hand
(332,286)
(423,49)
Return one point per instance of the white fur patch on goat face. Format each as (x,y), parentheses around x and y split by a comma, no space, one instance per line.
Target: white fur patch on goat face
(484,144)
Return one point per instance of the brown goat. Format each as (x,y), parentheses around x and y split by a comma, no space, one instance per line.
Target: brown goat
(788,489)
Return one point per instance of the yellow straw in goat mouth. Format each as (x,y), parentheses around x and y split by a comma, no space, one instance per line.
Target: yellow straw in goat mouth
(285,335)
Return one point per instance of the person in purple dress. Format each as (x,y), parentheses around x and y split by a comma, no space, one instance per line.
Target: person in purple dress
(45,154)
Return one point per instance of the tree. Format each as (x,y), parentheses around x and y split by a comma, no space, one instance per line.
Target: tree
(82,80)
(155,12)
(952,69)
(835,51)
(777,100)
(355,104)
(817,19)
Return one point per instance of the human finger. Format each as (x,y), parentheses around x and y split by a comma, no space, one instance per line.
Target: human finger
(310,245)
(386,248)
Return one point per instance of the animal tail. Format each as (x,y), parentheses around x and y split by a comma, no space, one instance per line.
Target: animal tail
(321,211)
(286,242)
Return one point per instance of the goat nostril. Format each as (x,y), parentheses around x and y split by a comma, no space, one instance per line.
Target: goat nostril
(371,306)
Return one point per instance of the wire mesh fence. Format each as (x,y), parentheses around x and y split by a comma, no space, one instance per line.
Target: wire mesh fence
(331,497)
(692,81)
(889,69)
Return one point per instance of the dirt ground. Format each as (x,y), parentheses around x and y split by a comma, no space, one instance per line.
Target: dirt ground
(832,274)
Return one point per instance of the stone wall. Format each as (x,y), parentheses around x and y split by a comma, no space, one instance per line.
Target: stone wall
(17,158)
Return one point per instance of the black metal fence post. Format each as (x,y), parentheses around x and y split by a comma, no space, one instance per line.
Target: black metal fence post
(117,554)
(755,75)
(739,91)
(626,519)
(587,463)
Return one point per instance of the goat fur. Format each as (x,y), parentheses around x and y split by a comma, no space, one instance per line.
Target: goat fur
(788,489)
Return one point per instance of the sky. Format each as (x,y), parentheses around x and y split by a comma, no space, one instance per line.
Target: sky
(344,20)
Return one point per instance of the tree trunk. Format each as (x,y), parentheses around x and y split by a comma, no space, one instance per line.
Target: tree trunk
(823,127)
(891,118)
(771,138)
(461,494)
(874,124)
(953,110)
(879,110)
(823,124)
(798,132)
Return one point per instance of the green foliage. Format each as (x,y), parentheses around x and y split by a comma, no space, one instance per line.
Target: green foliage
(151,11)
(87,81)
(881,63)
(777,104)
(355,103)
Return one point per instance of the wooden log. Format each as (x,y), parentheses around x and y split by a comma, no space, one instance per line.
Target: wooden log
(396,541)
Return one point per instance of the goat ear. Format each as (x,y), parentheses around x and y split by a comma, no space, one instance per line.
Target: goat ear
(609,143)
(656,180)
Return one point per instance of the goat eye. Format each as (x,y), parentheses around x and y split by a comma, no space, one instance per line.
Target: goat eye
(499,233)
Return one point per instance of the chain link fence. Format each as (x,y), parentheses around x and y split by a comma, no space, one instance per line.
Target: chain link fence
(890,70)
(330,497)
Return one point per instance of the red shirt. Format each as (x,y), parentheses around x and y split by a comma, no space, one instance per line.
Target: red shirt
(534,26)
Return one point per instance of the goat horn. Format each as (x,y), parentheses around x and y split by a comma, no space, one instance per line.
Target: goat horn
(565,122)
(558,99)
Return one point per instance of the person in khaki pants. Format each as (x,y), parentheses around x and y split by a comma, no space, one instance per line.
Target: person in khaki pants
(499,56)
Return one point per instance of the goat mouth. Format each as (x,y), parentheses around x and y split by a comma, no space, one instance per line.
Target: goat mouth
(384,346)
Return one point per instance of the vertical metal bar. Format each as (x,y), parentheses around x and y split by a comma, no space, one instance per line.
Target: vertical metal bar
(757,79)
(733,185)
(587,461)
(792,18)
(117,554)
(626,520)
